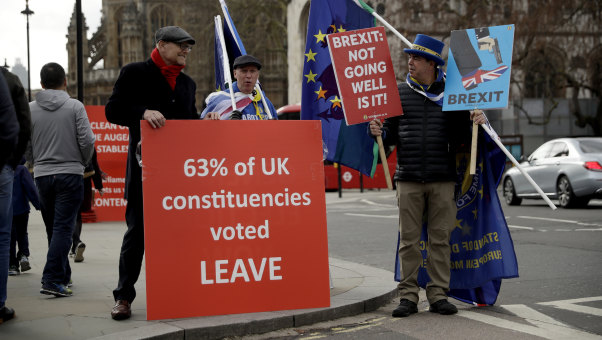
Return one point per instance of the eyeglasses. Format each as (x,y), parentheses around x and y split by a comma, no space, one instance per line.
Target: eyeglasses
(184,47)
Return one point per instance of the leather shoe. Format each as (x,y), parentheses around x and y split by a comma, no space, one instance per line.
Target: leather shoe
(443,307)
(6,314)
(122,310)
(405,308)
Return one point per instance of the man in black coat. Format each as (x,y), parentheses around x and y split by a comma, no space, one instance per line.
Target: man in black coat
(19,98)
(427,141)
(9,130)
(153,91)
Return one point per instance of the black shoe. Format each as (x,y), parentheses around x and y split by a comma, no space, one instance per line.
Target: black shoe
(443,307)
(13,270)
(6,314)
(405,308)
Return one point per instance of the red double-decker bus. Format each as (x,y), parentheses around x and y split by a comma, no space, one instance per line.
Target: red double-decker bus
(350,179)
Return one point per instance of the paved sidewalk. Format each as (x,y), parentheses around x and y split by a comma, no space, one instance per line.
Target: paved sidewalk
(356,288)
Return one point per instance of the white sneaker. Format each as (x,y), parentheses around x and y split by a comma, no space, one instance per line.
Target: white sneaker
(79,252)
(24,263)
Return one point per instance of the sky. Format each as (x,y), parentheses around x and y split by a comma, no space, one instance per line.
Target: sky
(47,31)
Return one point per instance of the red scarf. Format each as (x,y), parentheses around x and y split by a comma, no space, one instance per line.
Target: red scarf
(170,72)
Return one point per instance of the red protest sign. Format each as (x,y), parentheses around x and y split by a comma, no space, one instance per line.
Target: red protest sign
(364,73)
(235,217)
(111,151)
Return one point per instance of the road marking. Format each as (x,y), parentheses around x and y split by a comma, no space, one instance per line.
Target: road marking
(541,325)
(599,229)
(562,221)
(353,329)
(547,219)
(572,305)
(342,200)
(368,215)
(378,204)
(519,227)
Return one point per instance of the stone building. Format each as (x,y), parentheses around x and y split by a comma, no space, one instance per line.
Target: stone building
(126,35)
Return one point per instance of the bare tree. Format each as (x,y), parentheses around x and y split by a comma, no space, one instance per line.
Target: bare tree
(557,46)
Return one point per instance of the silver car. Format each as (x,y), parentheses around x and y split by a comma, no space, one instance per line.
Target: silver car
(568,169)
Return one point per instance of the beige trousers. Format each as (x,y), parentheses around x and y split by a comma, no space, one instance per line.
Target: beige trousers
(435,202)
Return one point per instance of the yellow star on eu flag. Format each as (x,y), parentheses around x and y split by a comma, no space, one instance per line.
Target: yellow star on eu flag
(336,102)
(466,230)
(311,76)
(458,224)
(310,55)
(320,36)
(321,93)
(341,29)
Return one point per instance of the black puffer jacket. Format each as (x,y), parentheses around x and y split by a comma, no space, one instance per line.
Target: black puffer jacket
(426,137)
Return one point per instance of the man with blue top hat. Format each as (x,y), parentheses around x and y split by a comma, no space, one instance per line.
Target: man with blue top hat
(427,140)
(251,104)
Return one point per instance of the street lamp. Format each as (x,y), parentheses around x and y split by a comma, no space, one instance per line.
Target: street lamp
(27,13)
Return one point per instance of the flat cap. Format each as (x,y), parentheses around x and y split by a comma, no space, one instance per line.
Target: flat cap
(245,60)
(173,34)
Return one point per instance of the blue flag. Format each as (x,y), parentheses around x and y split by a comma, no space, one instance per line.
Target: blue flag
(233,42)
(234,47)
(347,145)
(220,79)
(482,252)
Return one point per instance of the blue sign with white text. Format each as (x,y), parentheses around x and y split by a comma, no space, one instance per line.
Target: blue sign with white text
(478,68)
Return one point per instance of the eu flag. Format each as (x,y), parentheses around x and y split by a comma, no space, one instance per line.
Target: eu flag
(220,78)
(347,145)
(234,47)
(482,252)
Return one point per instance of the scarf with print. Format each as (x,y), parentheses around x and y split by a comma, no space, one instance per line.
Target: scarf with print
(414,85)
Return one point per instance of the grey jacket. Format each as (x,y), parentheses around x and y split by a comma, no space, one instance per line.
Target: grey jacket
(62,141)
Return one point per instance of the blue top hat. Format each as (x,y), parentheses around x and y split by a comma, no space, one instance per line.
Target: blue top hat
(428,47)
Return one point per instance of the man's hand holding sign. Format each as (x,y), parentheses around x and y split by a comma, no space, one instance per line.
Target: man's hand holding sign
(365,78)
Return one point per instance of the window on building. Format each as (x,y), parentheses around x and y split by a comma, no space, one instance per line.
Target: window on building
(595,70)
(544,74)
(160,16)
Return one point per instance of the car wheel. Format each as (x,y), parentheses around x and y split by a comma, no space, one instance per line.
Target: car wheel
(510,194)
(564,191)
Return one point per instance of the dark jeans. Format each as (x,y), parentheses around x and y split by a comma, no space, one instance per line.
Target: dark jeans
(18,237)
(60,197)
(85,206)
(7,175)
(132,249)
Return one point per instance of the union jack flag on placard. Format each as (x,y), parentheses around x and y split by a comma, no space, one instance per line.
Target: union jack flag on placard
(480,76)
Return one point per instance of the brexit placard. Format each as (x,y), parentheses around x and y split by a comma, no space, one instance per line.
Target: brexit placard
(478,68)
(237,228)
(364,73)
(111,151)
